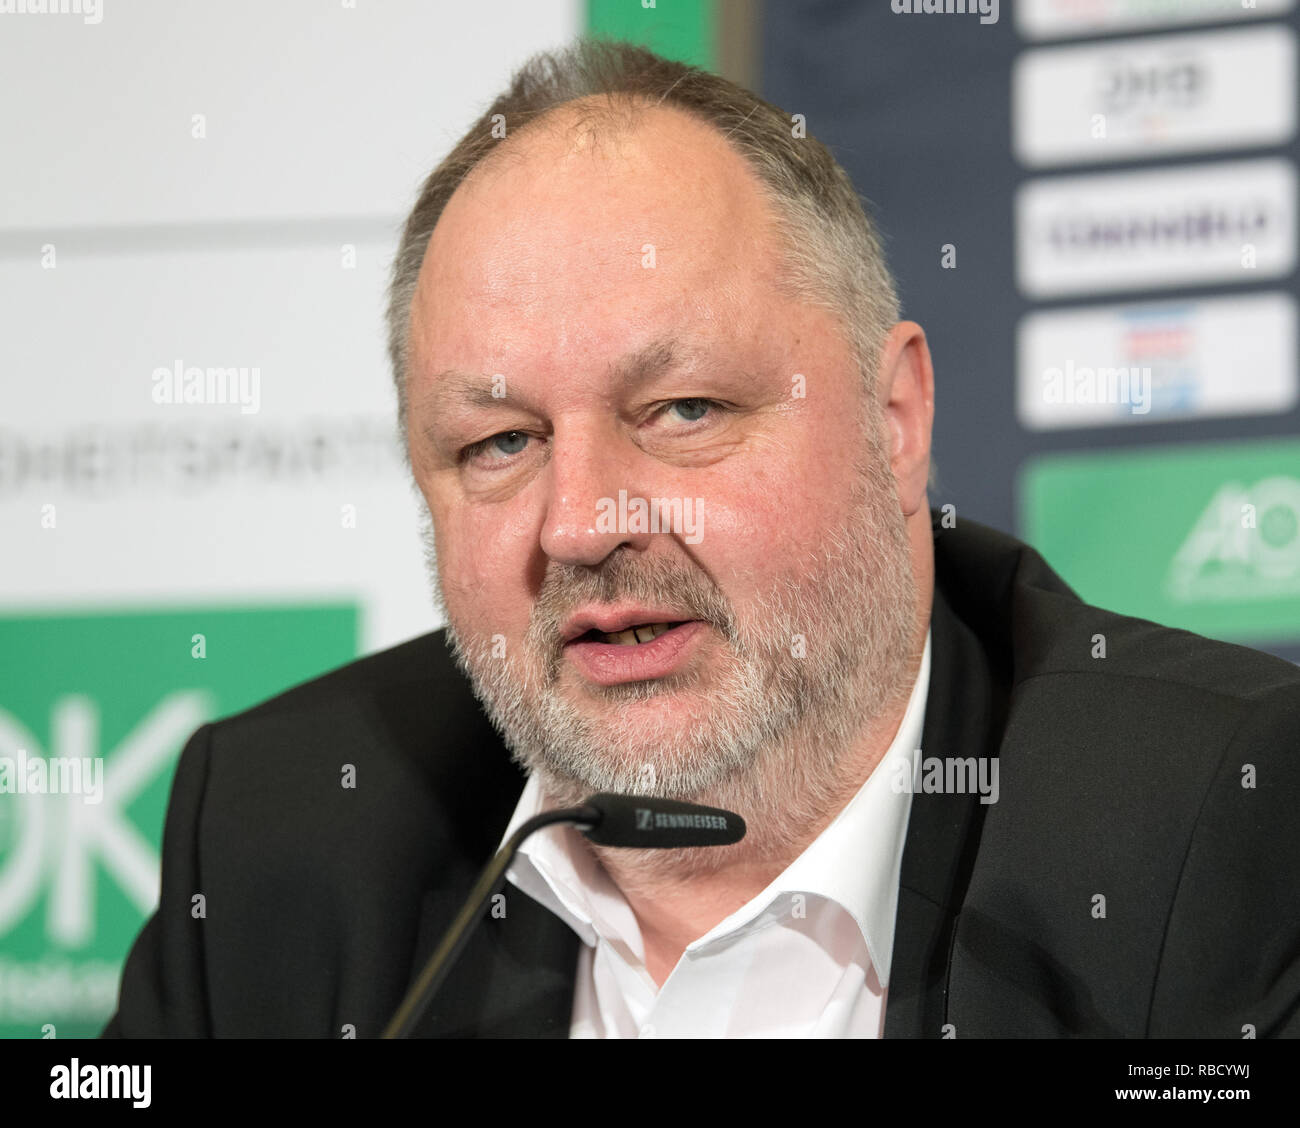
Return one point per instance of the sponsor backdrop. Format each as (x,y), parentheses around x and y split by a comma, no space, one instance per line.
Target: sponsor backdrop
(202,500)
(1091,207)
(210,188)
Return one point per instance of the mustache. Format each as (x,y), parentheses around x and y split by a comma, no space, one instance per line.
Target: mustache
(622,577)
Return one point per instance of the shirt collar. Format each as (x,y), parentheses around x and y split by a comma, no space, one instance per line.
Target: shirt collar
(555,867)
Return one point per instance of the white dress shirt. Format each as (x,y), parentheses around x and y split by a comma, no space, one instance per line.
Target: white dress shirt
(807,957)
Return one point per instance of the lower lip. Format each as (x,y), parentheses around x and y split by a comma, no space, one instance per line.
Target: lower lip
(608,663)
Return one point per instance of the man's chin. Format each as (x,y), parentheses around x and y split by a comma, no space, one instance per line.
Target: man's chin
(639,746)
(638,715)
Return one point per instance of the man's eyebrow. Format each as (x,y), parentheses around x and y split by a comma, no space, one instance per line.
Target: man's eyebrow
(464,387)
(659,356)
(626,374)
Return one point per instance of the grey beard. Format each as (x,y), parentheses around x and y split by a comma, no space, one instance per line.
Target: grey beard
(778,728)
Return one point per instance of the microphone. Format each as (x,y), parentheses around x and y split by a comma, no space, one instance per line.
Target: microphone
(637,821)
(640,821)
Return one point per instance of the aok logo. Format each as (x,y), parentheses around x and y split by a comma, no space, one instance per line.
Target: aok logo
(1245,545)
(53,842)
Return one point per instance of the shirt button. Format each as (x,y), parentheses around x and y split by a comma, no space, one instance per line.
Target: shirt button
(648,1030)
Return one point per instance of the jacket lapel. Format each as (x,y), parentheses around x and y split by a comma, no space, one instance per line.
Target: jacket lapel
(963,717)
(515,977)
(516,974)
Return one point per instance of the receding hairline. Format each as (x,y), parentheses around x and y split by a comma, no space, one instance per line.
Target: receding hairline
(602,116)
(606,118)
(602,120)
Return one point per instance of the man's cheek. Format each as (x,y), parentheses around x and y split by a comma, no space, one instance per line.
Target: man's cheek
(741,531)
(489,578)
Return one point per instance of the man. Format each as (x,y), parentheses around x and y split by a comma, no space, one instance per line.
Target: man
(675,442)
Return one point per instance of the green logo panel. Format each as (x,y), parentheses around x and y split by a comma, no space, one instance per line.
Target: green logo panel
(1203,537)
(94,711)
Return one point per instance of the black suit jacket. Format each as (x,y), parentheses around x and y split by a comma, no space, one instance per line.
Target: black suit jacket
(1120,776)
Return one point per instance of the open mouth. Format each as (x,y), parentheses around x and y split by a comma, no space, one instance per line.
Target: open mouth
(636,652)
(636,635)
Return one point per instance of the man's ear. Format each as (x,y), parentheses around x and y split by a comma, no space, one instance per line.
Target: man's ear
(905,393)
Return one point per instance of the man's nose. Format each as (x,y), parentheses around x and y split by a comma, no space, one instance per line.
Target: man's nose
(588,467)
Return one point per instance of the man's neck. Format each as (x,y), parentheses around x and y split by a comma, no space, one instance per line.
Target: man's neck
(676,899)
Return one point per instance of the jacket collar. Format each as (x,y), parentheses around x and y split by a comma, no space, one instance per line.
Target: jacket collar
(942,830)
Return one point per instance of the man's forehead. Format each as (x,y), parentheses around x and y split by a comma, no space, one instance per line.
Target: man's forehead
(575,252)
(600,126)
(662,172)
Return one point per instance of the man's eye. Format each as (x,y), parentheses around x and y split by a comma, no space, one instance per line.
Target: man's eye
(504,445)
(691,410)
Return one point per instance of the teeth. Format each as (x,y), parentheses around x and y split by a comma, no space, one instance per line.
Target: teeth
(633,636)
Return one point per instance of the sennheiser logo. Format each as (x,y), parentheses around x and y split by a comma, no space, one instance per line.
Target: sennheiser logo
(653,820)
(694,822)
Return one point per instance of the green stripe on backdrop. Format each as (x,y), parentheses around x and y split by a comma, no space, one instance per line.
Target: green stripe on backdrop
(678,29)
(1200,536)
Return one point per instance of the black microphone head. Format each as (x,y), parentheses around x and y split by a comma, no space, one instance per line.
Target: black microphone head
(644,821)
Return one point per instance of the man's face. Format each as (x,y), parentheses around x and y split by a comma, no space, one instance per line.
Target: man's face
(598,324)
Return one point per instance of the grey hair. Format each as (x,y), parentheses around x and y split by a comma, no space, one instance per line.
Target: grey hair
(833,255)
